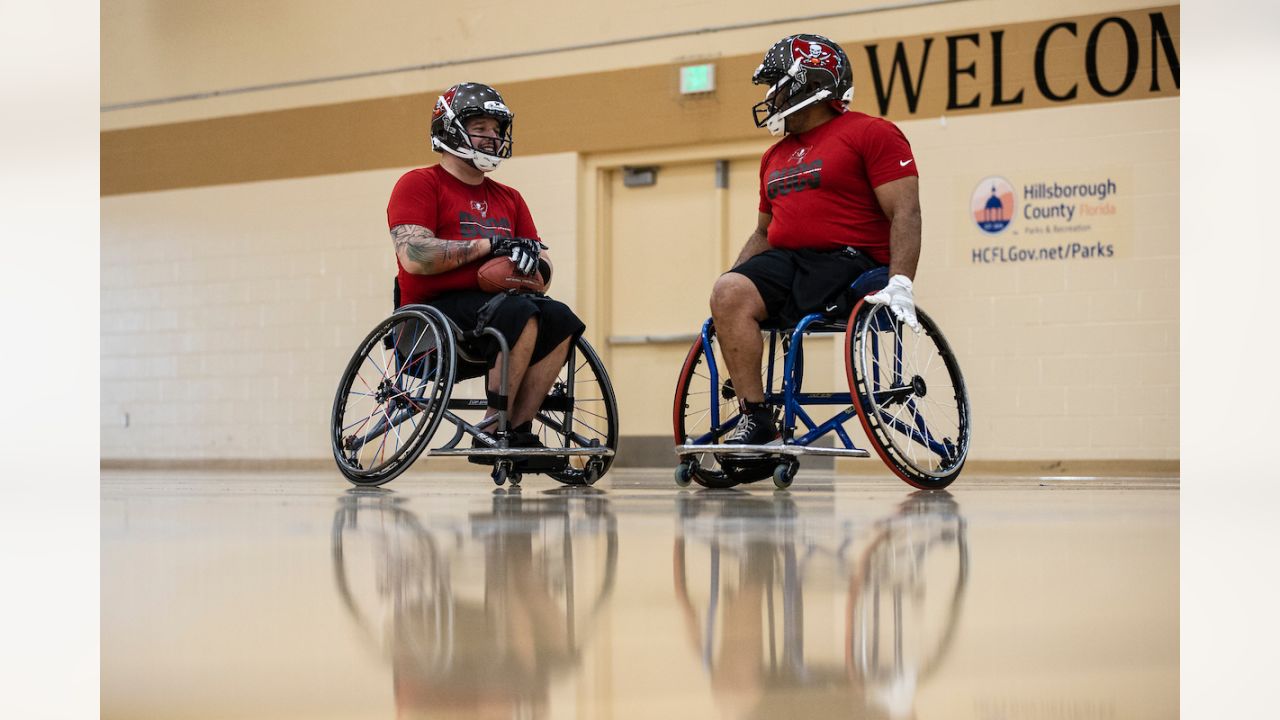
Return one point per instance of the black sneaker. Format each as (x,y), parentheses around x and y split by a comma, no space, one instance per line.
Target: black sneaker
(523,436)
(480,444)
(518,436)
(754,428)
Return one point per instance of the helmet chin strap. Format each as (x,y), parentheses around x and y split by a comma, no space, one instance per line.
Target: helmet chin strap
(484,162)
(777,124)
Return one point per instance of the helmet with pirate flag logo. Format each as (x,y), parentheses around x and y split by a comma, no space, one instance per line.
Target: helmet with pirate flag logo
(800,70)
(454,108)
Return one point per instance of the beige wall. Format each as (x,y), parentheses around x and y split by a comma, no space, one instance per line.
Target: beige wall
(229,310)
(1074,359)
(1065,359)
(157,49)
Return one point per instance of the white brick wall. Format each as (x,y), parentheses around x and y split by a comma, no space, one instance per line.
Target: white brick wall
(229,312)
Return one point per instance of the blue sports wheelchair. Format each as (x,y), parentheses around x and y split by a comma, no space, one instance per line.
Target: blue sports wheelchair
(904,387)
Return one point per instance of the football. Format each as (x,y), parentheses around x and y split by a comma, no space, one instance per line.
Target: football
(499,274)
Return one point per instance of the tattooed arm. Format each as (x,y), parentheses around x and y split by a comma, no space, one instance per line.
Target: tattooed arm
(422,253)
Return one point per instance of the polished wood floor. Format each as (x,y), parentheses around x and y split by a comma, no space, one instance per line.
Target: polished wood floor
(294,596)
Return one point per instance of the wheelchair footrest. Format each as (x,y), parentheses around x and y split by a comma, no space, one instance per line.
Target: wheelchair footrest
(766,450)
(522,452)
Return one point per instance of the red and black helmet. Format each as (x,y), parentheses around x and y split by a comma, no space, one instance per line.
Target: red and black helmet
(801,70)
(454,108)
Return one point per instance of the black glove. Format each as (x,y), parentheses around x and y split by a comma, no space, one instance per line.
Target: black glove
(522,251)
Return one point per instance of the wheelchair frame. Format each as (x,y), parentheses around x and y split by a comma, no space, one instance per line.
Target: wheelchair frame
(746,461)
(508,462)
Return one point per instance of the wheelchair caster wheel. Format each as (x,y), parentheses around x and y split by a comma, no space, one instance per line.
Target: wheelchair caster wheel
(593,473)
(784,474)
(502,471)
(684,474)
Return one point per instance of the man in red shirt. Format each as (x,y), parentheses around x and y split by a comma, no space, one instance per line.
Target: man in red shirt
(447,219)
(839,195)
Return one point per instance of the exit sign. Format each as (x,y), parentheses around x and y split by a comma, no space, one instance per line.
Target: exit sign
(697,79)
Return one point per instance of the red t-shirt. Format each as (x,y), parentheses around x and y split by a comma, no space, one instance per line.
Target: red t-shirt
(819,185)
(454,210)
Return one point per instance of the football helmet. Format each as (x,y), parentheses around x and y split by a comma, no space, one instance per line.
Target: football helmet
(454,108)
(801,70)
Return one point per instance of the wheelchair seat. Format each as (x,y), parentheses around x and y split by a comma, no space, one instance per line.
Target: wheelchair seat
(871,281)
(834,316)
(470,354)
(473,362)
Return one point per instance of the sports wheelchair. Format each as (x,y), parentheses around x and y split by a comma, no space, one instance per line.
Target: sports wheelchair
(417,368)
(905,388)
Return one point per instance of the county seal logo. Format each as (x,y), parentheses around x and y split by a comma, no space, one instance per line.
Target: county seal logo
(992,205)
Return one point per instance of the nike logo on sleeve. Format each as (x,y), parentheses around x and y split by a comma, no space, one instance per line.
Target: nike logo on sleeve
(904,163)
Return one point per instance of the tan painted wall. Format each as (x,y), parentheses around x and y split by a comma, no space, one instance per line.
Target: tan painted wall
(228,310)
(155,48)
(1072,358)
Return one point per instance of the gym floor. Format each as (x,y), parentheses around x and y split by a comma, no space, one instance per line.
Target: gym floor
(228,595)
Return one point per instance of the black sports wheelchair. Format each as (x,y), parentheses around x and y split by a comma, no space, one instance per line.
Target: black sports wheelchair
(417,368)
(905,388)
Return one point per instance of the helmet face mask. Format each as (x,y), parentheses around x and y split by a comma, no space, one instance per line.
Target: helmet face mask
(800,70)
(458,105)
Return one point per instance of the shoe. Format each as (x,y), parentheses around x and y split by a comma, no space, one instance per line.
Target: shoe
(754,428)
(511,435)
(478,444)
(523,436)
(521,439)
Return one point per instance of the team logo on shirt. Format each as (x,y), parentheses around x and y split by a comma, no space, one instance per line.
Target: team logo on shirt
(478,226)
(798,155)
(481,206)
(992,205)
(797,178)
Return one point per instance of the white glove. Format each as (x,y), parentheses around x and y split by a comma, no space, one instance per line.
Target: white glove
(526,262)
(897,295)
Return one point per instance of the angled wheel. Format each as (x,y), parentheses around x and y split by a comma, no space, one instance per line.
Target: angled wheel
(784,473)
(684,474)
(581,411)
(706,409)
(502,472)
(392,396)
(909,395)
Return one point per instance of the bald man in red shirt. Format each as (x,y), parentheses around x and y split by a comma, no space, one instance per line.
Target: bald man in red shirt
(839,195)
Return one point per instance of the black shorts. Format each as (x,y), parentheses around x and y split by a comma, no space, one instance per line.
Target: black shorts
(556,321)
(794,283)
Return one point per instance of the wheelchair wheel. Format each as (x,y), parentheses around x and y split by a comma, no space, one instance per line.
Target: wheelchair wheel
(909,395)
(392,396)
(583,413)
(691,416)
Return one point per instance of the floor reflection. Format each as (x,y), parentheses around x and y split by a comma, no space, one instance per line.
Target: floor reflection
(477,616)
(796,613)
(246,597)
